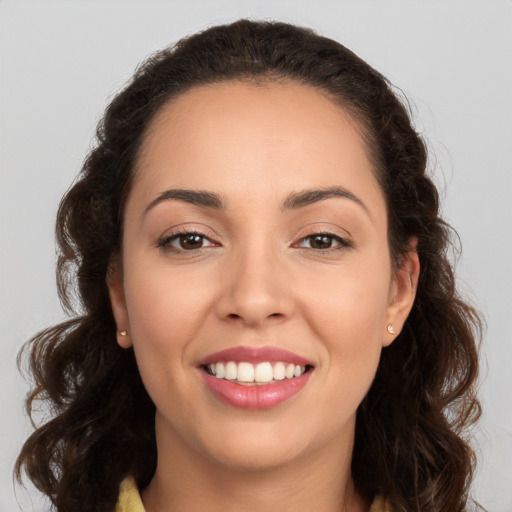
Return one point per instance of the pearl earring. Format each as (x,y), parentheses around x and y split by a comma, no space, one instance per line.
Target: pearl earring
(390,329)
(123,333)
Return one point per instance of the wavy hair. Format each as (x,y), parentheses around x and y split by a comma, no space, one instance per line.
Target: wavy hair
(411,442)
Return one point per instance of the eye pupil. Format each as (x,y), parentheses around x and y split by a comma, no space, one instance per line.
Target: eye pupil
(321,242)
(191,241)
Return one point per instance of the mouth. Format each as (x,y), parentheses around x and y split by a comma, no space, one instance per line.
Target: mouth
(255,378)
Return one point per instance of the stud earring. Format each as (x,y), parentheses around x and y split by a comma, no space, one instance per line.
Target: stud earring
(123,333)
(390,329)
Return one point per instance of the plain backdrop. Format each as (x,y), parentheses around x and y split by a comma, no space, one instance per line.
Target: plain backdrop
(61,61)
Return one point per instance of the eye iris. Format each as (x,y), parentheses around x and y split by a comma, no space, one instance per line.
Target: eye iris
(191,241)
(321,242)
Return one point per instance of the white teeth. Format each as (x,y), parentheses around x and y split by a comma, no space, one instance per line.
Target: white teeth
(245,372)
(231,371)
(262,373)
(220,371)
(279,371)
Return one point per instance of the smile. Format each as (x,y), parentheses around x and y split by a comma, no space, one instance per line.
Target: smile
(255,378)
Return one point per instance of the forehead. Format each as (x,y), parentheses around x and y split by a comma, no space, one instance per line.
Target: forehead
(270,136)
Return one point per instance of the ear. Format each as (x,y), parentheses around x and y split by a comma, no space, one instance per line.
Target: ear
(402,293)
(117,300)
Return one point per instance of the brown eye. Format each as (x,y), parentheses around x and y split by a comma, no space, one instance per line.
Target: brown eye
(320,242)
(324,241)
(188,241)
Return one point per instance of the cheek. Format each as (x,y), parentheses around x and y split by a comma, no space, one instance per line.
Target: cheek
(348,305)
(347,315)
(344,312)
(164,303)
(166,311)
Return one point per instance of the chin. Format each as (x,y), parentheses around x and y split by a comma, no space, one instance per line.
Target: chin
(253,459)
(263,447)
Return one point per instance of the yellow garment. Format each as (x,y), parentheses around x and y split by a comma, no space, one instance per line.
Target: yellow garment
(129,499)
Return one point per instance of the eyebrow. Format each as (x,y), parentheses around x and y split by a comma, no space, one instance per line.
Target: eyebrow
(195,197)
(294,201)
(307,197)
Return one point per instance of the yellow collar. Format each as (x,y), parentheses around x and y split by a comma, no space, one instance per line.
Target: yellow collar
(129,497)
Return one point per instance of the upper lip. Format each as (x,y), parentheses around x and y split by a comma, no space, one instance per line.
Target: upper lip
(255,355)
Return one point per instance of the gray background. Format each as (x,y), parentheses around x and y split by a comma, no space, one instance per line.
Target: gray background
(61,61)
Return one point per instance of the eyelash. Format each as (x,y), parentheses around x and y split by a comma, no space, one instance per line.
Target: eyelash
(165,243)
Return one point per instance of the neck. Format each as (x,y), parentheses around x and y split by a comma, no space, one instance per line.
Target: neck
(187,481)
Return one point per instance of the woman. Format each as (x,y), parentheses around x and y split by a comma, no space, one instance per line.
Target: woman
(268,315)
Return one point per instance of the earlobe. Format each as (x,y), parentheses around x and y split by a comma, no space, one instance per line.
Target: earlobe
(123,339)
(118,303)
(403,293)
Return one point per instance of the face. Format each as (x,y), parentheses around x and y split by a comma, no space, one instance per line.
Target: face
(256,284)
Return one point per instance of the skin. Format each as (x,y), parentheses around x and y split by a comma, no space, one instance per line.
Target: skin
(258,280)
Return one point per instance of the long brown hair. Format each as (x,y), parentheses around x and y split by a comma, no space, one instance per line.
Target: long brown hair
(410,444)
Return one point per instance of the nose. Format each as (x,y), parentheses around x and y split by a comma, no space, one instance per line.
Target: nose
(256,290)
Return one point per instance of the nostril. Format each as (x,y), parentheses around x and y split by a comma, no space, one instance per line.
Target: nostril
(237,316)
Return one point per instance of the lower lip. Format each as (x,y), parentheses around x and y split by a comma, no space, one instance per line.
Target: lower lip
(255,396)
